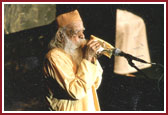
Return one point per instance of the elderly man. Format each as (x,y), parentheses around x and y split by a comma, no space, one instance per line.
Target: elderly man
(71,71)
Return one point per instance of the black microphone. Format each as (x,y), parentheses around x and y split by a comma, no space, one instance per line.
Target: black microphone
(118,52)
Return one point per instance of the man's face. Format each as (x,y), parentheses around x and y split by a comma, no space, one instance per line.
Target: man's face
(76,34)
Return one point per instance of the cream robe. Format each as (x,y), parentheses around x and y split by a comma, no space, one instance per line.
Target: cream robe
(79,83)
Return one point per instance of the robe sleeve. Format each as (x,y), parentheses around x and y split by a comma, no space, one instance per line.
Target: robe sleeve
(99,75)
(77,83)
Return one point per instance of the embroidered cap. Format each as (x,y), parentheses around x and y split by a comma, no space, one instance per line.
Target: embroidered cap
(68,18)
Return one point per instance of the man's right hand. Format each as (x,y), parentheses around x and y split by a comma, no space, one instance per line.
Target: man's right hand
(91,49)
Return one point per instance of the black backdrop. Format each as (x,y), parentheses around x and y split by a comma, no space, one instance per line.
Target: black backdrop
(23,77)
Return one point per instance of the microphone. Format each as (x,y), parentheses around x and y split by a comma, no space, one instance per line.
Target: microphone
(118,52)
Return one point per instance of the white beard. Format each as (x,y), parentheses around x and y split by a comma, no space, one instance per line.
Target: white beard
(74,50)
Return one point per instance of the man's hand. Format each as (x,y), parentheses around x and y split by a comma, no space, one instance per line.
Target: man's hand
(91,49)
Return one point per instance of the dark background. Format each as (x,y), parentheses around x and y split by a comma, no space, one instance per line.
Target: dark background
(24,59)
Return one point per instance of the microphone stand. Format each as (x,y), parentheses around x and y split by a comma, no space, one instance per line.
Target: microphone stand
(130,58)
(134,66)
(118,52)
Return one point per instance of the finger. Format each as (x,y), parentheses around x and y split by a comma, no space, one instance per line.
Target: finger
(91,41)
(95,44)
(96,47)
(103,44)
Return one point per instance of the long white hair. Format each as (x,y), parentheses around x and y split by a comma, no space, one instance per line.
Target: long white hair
(61,40)
(58,40)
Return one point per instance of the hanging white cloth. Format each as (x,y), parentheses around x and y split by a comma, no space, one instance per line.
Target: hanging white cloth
(131,38)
